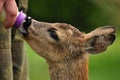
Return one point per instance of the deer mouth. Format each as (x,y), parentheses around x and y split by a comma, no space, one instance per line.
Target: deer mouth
(24,31)
(24,28)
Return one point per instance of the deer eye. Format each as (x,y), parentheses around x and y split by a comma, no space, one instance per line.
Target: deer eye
(52,32)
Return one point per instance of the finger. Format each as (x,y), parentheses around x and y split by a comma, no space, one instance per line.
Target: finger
(1,4)
(11,7)
(11,13)
(8,21)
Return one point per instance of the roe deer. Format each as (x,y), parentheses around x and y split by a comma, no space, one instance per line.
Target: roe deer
(65,48)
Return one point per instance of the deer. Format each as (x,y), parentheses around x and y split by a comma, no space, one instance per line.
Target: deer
(65,48)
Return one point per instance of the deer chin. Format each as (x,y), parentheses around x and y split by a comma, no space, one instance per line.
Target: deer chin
(24,31)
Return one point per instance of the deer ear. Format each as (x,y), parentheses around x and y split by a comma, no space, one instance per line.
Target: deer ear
(99,43)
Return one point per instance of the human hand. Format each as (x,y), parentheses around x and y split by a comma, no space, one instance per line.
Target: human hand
(11,11)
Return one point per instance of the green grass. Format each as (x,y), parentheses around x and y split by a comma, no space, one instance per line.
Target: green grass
(105,66)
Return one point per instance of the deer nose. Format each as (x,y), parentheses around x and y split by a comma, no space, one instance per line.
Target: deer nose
(25,26)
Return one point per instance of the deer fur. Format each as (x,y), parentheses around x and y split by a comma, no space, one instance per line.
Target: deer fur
(66,49)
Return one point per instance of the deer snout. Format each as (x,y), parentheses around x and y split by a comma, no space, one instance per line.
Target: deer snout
(24,27)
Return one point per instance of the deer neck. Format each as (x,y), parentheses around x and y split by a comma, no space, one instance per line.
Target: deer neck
(70,70)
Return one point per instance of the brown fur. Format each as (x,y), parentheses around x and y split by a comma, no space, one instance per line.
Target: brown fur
(67,56)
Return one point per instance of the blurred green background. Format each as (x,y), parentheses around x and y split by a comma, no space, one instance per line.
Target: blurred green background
(85,15)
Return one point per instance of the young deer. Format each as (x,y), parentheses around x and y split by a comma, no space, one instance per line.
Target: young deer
(66,49)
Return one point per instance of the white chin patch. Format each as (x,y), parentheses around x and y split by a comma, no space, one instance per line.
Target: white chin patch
(22,30)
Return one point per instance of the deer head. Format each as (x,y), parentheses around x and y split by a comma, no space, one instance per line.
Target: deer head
(59,41)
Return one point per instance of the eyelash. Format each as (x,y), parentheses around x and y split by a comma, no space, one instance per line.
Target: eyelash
(53,33)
